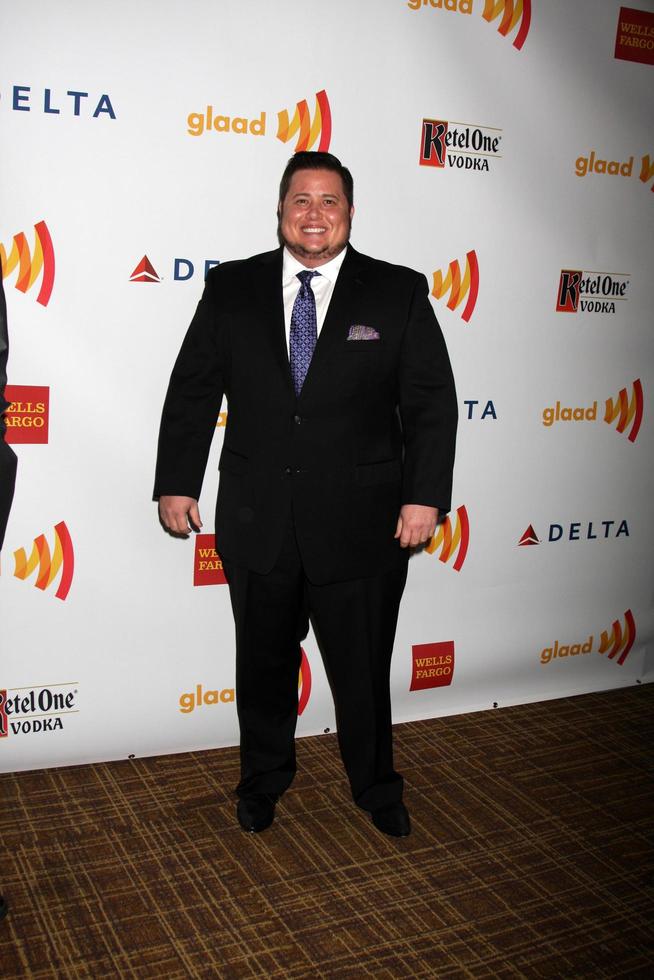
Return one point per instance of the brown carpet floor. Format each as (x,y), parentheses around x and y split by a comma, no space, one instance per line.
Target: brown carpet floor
(530,857)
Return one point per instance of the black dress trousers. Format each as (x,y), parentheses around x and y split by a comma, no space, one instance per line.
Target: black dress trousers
(354,622)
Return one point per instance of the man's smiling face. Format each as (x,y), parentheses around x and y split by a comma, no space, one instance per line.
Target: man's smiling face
(314,217)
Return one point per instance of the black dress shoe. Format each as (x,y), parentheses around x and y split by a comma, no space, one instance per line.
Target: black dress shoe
(257,812)
(392,820)
(4,908)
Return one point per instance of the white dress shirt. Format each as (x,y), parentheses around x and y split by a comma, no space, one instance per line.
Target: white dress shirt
(322,286)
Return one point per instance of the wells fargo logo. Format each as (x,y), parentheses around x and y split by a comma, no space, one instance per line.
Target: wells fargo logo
(304,683)
(459,286)
(577,531)
(26,711)
(590,292)
(433,665)
(593,164)
(634,40)
(309,130)
(462,146)
(207,565)
(191,700)
(31,264)
(48,563)
(512,14)
(28,413)
(452,537)
(624,411)
(616,643)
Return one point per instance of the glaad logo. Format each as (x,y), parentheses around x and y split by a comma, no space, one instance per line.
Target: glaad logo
(621,410)
(463,146)
(28,413)
(41,709)
(593,164)
(207,565)
(183,270)
(308,130)
(577,531)
(626,412)
(590,292)
(191,700)
(459,286)
(619,640)
(22,94)
(304,683)
(452,537)
(512,12)
(30,265)
(48,564)
(433,665)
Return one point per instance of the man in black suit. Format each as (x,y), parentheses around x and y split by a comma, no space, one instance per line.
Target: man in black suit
(7,455)
(336,461)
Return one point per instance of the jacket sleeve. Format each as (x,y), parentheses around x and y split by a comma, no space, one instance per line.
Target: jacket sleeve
(8,460)
(428,407)
(192,403)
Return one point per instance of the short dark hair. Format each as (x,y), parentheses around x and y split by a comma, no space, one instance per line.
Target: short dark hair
(318,160)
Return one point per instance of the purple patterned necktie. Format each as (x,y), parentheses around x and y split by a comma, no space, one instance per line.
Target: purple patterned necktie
(304,329)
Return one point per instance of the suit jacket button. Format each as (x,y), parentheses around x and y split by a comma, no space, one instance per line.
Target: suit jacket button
(297,419)
(288,471)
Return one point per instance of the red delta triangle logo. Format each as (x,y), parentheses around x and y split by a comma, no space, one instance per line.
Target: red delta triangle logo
(529,537)
(145,272)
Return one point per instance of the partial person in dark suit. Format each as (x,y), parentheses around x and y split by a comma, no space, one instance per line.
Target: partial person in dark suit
(7,455)
(337,460)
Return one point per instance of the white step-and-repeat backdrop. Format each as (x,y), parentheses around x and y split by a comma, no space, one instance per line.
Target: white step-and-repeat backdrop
(505,149)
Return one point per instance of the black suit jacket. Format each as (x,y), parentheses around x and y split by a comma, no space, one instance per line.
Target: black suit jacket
(373,428)
(7,455)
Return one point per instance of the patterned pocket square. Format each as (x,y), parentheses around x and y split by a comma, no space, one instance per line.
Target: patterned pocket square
(360,332)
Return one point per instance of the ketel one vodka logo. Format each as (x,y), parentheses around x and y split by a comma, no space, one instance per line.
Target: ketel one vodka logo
(591,292)
(458,145)
(29,711)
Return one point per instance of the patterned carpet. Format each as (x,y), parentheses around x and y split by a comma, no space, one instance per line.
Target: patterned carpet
(530,857)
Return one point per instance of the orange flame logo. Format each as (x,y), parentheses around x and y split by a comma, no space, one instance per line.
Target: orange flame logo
(301,122)
(452,539)
(626,412)
(512,13)
(304,683)
(49,564)
(619,640)
(459,287)
(29,264)
(647,170)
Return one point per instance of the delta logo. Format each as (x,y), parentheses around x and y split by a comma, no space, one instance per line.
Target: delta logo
(31,264)
(28,415)
(452,538)
(458,146)
(308,130)
(576,531)
(61,103)
(433,665)
(47,564)
(594,164)
(207,563)
(634,39)
(183,270)
(512,14)
(625,412)
(591,292)
(29,711)
(487,412)
(615,642)
(458,286)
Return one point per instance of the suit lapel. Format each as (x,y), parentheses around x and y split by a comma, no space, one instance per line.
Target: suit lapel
(269,297)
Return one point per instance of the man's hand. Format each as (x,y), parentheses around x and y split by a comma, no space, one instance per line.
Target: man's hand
(416,524)
(179,515)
